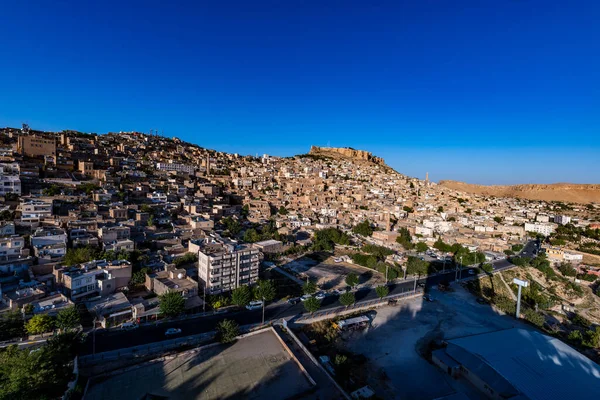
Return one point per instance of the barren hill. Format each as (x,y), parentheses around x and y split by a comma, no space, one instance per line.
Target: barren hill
(566,192)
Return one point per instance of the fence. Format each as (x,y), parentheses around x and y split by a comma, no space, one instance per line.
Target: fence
(332,312)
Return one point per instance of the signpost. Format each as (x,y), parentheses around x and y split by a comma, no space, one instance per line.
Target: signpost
(521,284)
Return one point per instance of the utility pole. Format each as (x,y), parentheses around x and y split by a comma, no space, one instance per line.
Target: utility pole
(386,273)
(94,338)
(263,317)
(461,265)
(204,302)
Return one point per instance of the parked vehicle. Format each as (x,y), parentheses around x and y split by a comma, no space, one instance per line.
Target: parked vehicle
(254,305)
(428,297)
(305,297)
(471,272)
(129,326)
(294,300)
(481,300)
(320,295)
(172,331)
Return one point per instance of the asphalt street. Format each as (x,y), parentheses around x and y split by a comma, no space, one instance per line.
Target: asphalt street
(117,339)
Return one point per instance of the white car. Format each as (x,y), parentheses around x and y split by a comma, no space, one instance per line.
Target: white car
(471,272)
(129,326)
(320,296)
(172,331)
(254,305)
(305,297)
(337,260)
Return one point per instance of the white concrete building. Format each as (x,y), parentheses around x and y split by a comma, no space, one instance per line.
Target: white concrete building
(176,167)
(545,229)
(10,184)
(562,219)
(224,266)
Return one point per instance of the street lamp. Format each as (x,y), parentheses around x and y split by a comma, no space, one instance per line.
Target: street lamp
(263,313)
(94,338)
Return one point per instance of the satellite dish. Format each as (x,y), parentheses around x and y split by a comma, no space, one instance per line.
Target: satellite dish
(180,275)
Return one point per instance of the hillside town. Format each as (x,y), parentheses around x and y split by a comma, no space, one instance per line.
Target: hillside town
(110,225)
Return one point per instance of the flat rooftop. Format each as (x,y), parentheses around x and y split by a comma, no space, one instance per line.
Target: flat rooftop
(256,367)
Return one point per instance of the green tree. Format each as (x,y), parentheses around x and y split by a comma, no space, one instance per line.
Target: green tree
(488,268)
(171,304)
(40,324)
(67,318)
(265,290)
(251,236)
(241,296)
(11,325)
(591,338)
(382,291)
(364,228)
(40,374)
(440,209)
(227,331)
(282,210)
(441,246)
(422,247)
(404,238)
(408,209)
(498,219)
(245,210)
(139,277)
(312,305)
(351,279)
(347,299)
(310,288)
(150,221)
(28,308)
(416,266)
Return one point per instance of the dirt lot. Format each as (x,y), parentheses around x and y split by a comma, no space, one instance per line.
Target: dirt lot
(395,343)
(328,274)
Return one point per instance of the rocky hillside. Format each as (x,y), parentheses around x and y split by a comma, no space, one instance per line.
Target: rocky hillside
(346,152)
(565,192)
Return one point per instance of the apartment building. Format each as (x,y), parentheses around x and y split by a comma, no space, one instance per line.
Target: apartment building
(11,247)
(110,234)
(176,167)
(562,219)
(48,236)
(33,146)
(34,211)
(94,278)
(10,184)
(542,228)
(223,265)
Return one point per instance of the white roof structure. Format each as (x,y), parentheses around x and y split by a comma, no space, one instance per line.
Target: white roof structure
(528,364)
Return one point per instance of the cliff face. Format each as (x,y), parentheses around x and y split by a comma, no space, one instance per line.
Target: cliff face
(566,192)
(346,152)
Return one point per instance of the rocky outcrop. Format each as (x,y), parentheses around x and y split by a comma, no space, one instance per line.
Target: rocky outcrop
(346,152)
(566,192)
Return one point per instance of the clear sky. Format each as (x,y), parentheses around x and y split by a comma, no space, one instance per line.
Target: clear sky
(484,91)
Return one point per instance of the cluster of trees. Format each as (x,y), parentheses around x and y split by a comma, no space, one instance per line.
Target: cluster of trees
(375,261)
(187,258)
(263,290)
(468,257)
(404,238)
(264,232)
(363,229)
(171,304)
(416,266)
(232,225)
(582,334)
(41,374)
(89,253)
(326,239)
(567,269)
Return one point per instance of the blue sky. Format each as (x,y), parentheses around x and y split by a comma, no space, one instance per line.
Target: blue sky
(488,92)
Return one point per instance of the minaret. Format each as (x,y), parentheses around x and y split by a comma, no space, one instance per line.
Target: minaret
(427,177)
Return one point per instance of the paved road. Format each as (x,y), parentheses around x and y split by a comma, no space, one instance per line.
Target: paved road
(113,340)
